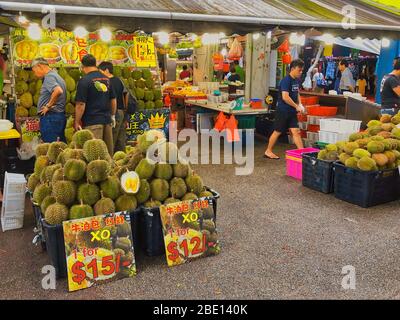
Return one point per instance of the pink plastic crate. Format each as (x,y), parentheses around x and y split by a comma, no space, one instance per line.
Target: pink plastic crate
(294,166)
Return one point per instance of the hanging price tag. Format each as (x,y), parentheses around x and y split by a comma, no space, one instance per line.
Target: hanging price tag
(189,230)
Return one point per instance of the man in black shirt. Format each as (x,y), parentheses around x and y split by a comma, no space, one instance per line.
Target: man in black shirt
(95,103)
(119,131)
(390,89)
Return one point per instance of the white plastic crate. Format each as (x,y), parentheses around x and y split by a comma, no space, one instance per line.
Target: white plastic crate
(315,120)
(340,125)
(303,125)
(332,137)
(312,136)
(11,223)
(12,210)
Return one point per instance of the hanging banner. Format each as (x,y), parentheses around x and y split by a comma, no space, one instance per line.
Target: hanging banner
(98,249)
(144,52)
(189,230)
(145,120)
(62,48)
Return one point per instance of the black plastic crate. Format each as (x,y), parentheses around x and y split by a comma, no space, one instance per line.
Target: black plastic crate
(366,189)
(317,174)
(54,236)
(151,237)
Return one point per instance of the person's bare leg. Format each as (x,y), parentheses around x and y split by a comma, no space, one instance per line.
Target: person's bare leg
(298,141)
(272,141)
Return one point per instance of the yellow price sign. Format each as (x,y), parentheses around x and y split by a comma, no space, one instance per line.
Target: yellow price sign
(144,52)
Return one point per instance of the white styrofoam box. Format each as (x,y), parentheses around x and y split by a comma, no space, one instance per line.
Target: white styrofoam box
(11,223)
(332,137)
(303,125)
(312,136)
(315,120)
(340,125)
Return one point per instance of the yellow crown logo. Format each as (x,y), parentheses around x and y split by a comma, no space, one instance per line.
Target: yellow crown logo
(157,121)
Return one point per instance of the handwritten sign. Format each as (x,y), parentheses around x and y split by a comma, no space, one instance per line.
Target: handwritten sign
(144,52)
(98,249)
(189,230)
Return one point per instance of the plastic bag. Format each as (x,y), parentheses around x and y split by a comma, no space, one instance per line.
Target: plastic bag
(220,122)
(236,50)
(28,149)
(232,133)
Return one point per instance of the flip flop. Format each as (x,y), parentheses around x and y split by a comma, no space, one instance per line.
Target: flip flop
(268,157)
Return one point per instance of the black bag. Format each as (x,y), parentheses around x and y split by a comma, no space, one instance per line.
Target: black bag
(132,104)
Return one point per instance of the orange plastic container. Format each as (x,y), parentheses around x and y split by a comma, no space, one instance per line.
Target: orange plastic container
(309,101)
(256,103)
(321,111)
(302,117)
(303,134)
(313,128)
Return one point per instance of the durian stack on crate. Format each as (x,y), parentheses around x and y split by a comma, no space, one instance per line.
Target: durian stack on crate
(366,164)
(81,179)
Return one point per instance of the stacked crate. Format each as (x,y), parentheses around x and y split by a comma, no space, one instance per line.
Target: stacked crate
(334,129)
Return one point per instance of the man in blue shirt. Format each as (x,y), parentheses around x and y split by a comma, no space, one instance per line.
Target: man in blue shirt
(288,106)
(51,104)
(95,103)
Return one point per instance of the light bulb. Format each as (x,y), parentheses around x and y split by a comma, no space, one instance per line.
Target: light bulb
(34,31)
(80,32)
(385,43)
(105,34)
(163,37)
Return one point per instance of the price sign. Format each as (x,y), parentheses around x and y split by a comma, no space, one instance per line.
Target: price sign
(144,52)
(97,249)
(189,230)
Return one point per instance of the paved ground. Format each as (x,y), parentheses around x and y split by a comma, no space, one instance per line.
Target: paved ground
(279,240)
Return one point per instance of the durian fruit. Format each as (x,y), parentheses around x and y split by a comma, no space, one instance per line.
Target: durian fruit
(41,192)
(124,229)
(208,213)
(88,193)
(178,188)
(189,196)
(104,206)
(125,202)
(208,225)
(181,170)
(56,214)
(375,147)
(152,204)
(134,160)
(123,243)
(65,192)
(145,140)
(377,138)
(343,157)
(361,153)
(74,169)
(81,136)
(55,148)
(380,159)
(391,156)
(373,123)
(355,136)
(97,171)
(111,187)
(351,162)
(41,163)
(349,147)
(48,172)
(21,112)
(205,194)
(57,175)
(163,171)
(367,164)
(119,155)
(159,189)
(145,169)
(41,149)
(385,118)
(194,183)
(33,181)
(49,200)
(171,200)
(80,211)
(144,191)
(95,149)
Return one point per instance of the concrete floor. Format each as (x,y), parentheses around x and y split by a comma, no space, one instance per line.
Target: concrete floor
(279,241)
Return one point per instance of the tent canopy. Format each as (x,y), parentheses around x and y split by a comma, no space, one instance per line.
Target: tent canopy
(372,46)
(204,16)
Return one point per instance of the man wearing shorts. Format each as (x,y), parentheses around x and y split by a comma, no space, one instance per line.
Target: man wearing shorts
(287,108)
